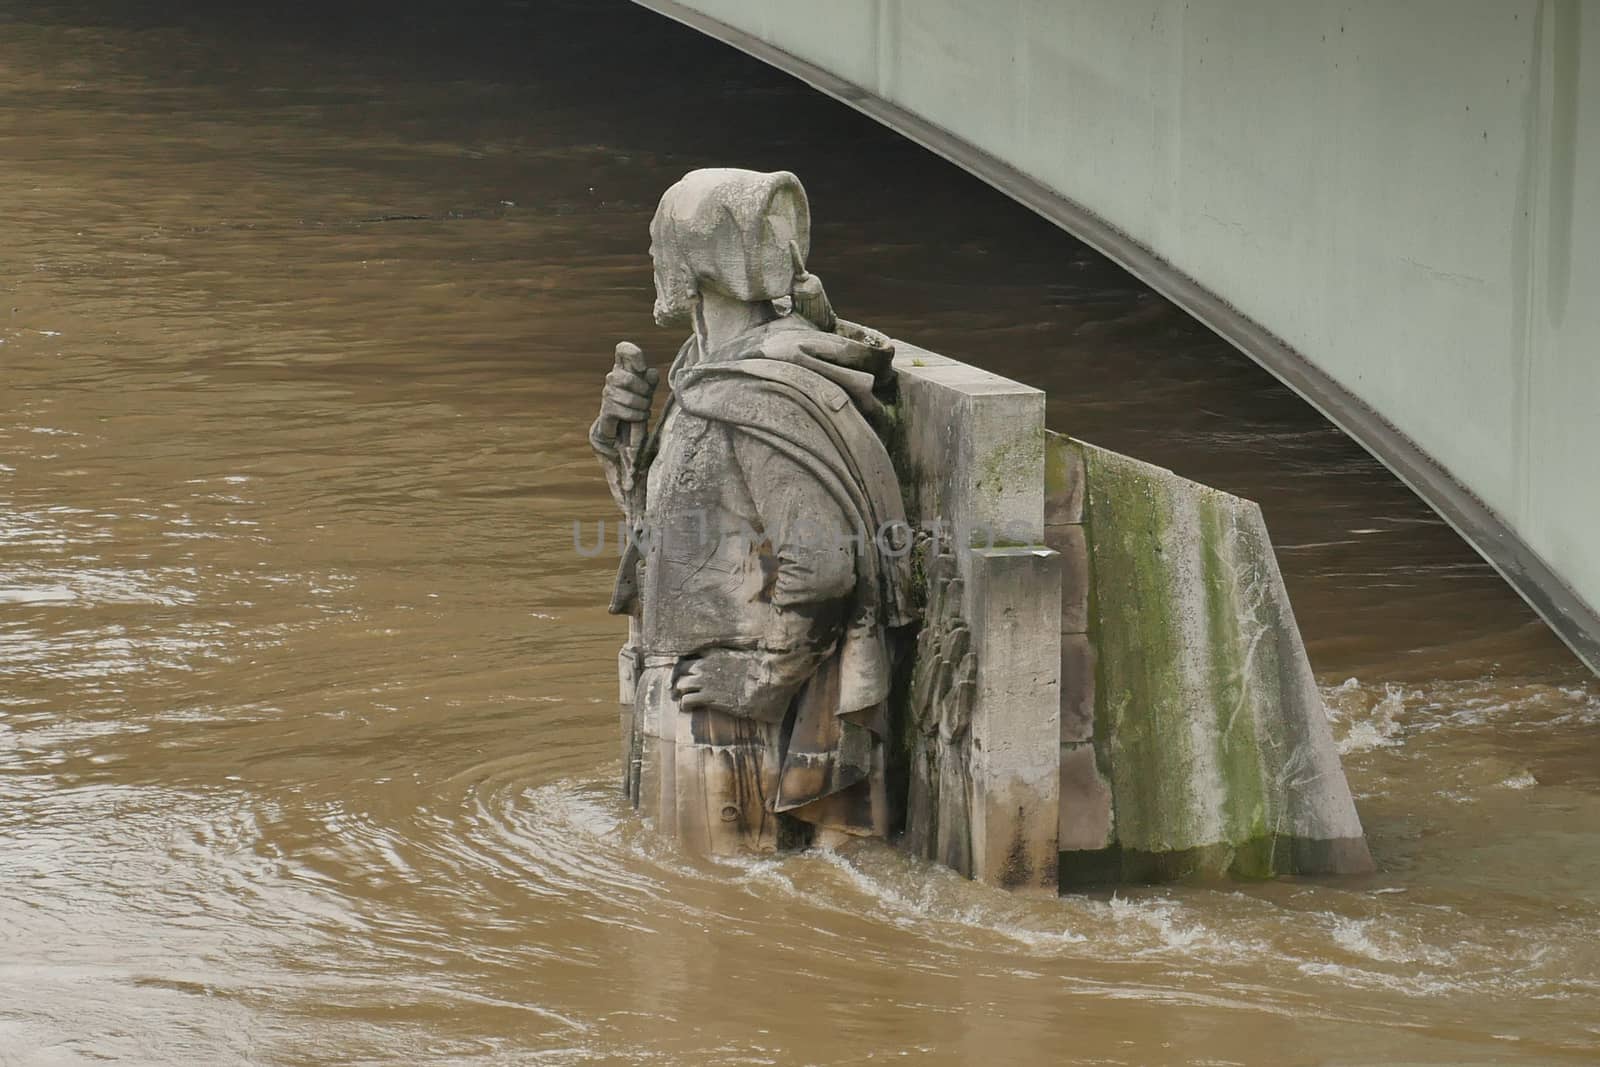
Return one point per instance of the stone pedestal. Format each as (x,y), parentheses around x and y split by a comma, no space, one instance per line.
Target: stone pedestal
(1014,596)
(982,727)
(1110,685)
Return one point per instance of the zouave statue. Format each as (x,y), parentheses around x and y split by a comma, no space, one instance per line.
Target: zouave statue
(758,666)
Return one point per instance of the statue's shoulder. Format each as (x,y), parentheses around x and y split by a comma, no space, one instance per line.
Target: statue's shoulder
(725,391)
(848,345)
(792,364)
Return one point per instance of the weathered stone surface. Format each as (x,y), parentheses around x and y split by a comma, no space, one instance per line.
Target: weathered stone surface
(757,668)
(1086,812)
(652,730)
(1013,597)
(1063,481)
(1077,687)
(1207,715)
(1074,550)
(724,780)
(971,452)
(944,677)
(1117,692)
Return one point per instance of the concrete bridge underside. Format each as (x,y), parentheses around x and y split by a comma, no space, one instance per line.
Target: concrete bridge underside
(1394,207)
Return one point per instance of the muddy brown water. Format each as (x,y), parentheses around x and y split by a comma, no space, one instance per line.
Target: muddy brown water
(307,735)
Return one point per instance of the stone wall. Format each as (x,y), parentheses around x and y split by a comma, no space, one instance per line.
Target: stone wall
(1109,684)
(1194,740)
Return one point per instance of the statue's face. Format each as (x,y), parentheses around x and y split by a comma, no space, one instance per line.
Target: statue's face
(674,296)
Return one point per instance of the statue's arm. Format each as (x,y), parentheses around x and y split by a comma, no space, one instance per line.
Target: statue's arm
(809,565)
(811,556)
(610,456)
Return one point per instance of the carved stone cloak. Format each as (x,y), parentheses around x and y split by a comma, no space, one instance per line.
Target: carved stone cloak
(806,396)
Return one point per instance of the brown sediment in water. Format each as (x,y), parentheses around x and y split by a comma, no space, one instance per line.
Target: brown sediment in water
(308,743)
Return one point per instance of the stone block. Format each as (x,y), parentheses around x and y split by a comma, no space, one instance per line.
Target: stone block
(1074,549)
(1013,609)
(984,797)
(1207,717)
(1077,688)
(970,448)
(1063,480)
(1085,801)
(913,357)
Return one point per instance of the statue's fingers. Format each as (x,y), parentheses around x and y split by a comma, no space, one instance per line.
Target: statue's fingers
(626,405)
(623,413)
(688,680)
(624,379)
(626,397)
(624,401)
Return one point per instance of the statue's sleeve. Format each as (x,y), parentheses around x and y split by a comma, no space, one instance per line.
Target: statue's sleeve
(807,550)
(808,532)
(605,449)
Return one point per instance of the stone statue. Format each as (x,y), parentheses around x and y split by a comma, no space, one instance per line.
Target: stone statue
(1118,692)
(762,608)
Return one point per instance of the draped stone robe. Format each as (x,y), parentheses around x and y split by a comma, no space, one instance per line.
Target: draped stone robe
(766,489)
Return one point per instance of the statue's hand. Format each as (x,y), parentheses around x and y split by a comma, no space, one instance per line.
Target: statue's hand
(810,300)
(730,681)
(630,387)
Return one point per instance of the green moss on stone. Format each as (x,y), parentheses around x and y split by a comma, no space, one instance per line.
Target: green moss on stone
(1057,465)
(1238,754)
(1200,697)
(1139,703)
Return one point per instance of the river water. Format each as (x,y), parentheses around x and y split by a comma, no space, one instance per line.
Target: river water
(307,724)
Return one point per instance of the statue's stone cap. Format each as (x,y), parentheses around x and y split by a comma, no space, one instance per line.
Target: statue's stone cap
(731,230)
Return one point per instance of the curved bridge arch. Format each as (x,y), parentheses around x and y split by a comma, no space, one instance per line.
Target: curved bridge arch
(1401,232)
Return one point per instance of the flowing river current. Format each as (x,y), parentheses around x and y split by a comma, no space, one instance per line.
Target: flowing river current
(308,735)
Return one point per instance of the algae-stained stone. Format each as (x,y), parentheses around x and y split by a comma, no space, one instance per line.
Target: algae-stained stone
(1063,480)
(1207,714)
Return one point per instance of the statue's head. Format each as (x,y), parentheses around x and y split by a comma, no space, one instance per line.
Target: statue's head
(730,231)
